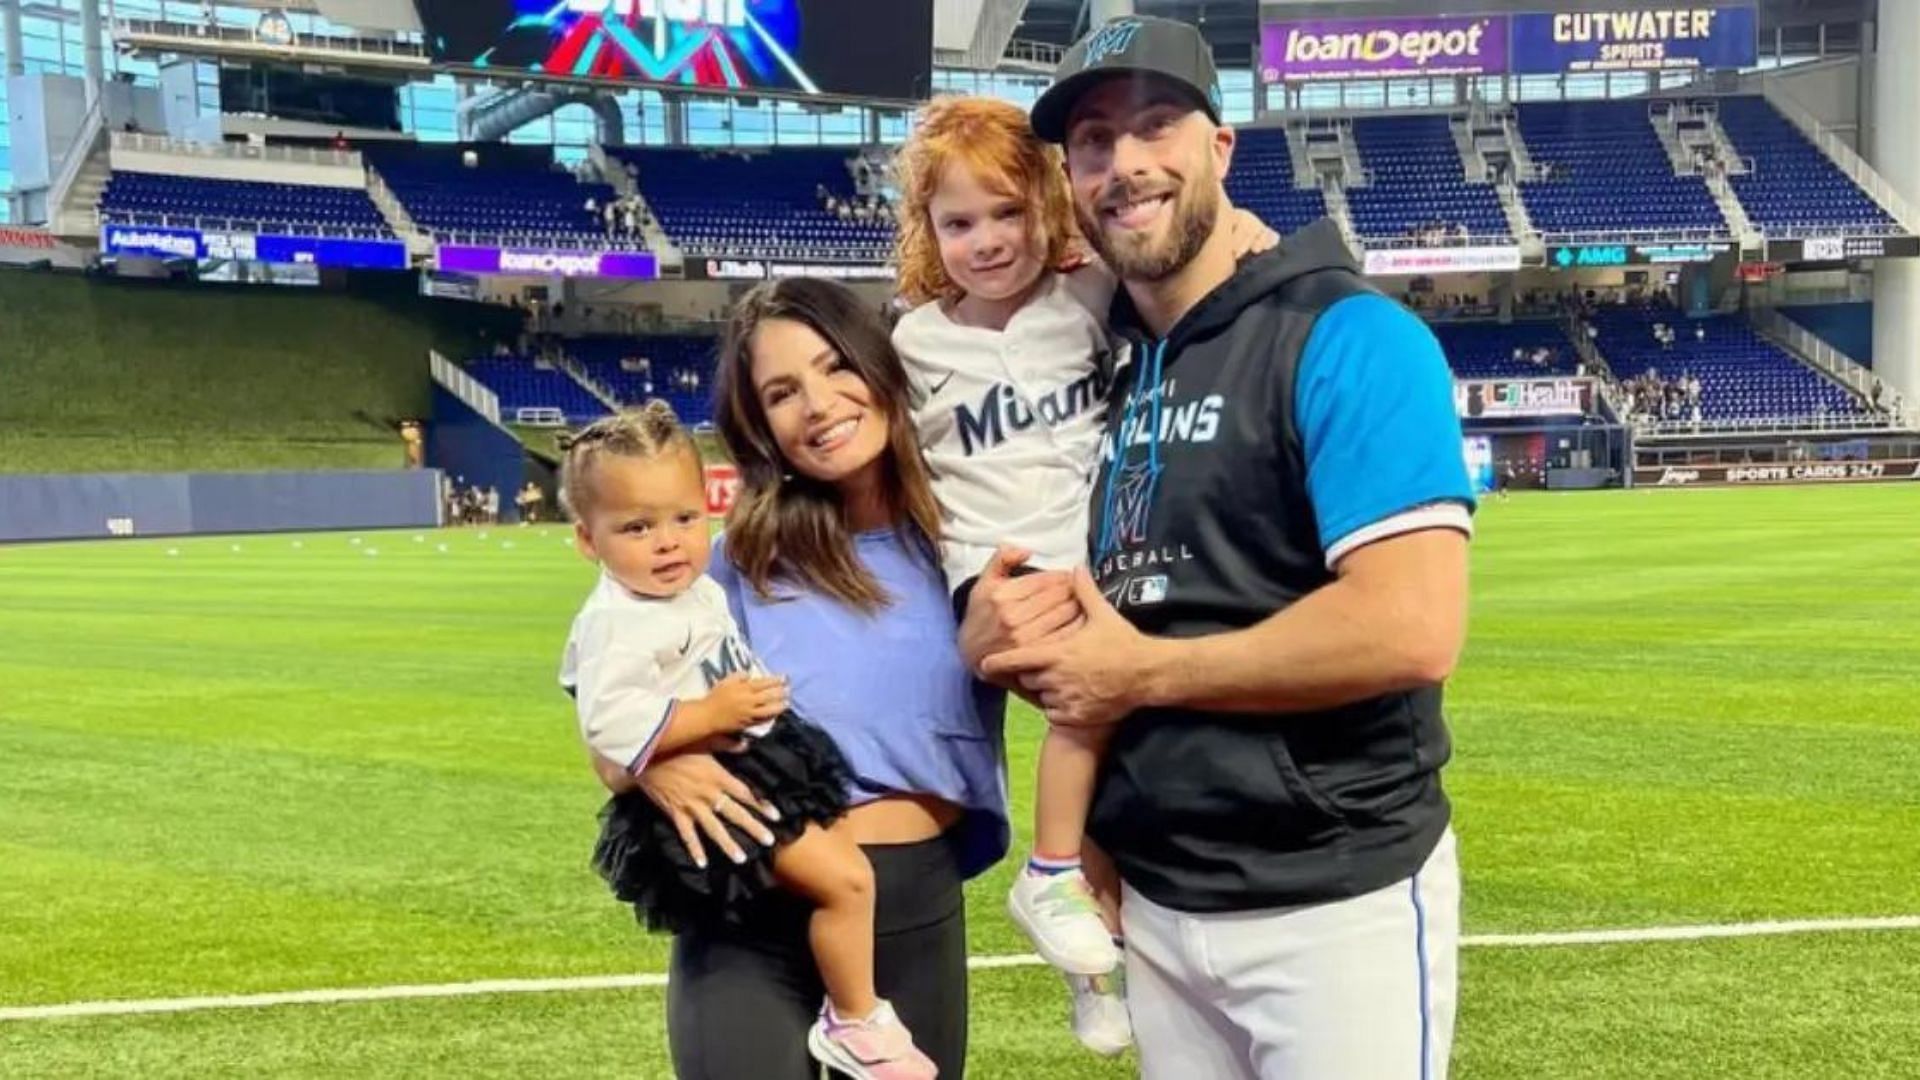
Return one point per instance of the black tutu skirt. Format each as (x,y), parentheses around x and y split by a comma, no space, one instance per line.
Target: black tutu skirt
(795,766)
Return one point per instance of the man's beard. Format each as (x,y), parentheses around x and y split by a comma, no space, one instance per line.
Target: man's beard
(1135,257)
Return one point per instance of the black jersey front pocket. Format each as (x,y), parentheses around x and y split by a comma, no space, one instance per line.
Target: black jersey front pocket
(1181,781)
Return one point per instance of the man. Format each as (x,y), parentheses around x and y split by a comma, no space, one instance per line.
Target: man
(1277,591)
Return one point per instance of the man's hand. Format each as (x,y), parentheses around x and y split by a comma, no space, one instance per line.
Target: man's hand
(1005,611)
(1091,677)
(699,796)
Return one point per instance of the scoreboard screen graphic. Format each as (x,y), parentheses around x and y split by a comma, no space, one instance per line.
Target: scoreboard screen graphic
(845,48)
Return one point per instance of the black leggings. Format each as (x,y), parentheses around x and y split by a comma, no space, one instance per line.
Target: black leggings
(739,1003)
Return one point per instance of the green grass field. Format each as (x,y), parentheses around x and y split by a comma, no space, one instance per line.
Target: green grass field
(279,763)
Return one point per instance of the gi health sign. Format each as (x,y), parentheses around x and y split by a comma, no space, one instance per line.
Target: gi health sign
(1629,39)
(1371,48)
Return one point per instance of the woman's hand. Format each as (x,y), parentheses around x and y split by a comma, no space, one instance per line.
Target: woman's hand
(699,796)
(1249,235)
(1008,610)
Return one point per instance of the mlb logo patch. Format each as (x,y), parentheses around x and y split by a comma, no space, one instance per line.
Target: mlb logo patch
(1147,590)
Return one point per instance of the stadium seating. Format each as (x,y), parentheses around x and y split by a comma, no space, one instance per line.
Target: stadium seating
(1262,181)
(1417,179)
(523,383)
(1794,188)
(515,195)
(1485,350)
(669,361)
(136,198)
(1609,174)
(1846,327)
(1743,376)
(763,205)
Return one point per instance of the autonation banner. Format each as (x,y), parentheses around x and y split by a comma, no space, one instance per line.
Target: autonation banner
(152,241)
(168,243)
(1371,48)
(549,263)
(1628,39)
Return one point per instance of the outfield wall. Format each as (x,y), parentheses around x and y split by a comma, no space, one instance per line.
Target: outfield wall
(96,505)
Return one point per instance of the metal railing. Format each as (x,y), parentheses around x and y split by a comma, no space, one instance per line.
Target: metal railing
(1397,242)
(543,240)
(384,49)
(464,386)
(1796,425)
(251,226)
(84,144)
(139,142)
(1842,155)
(1830,361)
(1638,236)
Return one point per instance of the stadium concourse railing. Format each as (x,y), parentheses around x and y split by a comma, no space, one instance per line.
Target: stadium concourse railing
(140,142)
(560,241)
(253,226)
(1801,425)
(192,37)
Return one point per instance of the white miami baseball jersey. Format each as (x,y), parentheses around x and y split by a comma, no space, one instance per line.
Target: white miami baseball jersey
(631,658)
(1011,420)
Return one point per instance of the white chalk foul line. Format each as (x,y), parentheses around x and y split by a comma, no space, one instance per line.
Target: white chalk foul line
(655,980)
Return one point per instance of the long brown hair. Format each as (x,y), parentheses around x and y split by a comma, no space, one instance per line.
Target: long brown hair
(784,524)
(994,140)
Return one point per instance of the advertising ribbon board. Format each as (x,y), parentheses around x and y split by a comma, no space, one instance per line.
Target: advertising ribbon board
(1798,472)
(1373,48)
(1634,39)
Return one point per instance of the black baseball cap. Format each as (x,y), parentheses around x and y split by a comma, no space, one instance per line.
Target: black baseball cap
(1131,44)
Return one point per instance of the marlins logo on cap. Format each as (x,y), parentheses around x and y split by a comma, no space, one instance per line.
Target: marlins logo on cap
(1130,45)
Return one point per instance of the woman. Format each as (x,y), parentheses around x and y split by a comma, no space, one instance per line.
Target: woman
(831,568)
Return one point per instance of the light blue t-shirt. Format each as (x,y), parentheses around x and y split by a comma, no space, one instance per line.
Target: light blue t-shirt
(891,688)
(1374,406)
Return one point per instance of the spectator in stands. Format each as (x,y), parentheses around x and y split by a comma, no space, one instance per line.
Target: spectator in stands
(1700,332)
(828,568)
(1373,404)
(1879,390)
(340,143)
(592,207)
(611,214)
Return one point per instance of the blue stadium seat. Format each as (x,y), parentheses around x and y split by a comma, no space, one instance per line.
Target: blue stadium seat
(763,205)
(1609,174)
(1262,181)
(509,198)
(1418,179)
(240,206)
(1742,375)
(1485,350)
(521,383)
(1794,188)
(663,362)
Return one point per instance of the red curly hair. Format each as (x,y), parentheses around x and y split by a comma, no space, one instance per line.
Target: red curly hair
(992,139)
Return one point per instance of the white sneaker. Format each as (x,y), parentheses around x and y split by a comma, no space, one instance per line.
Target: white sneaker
(1100,1019)
(1061,917)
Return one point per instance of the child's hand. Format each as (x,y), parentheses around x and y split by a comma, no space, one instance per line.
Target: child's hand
(1249,234)
(738,702)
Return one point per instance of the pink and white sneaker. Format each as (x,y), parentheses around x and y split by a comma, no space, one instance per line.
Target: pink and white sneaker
(877,1048)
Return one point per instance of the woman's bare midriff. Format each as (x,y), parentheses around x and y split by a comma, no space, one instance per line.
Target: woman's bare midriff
(900,819)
